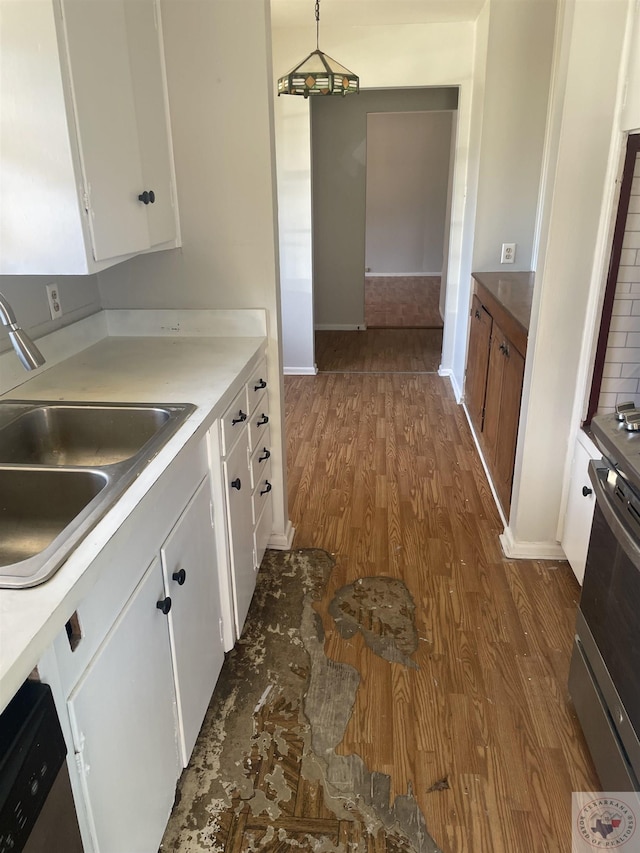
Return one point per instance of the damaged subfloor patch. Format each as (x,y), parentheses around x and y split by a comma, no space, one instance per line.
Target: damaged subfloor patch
(382,609)
(264,774)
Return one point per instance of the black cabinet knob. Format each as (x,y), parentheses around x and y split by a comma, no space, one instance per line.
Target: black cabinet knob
(265,456)
(586,491)
(164,605)
(477,315)
(236,484)
(262,420)
(179,577)
(261,384)
(267,488)
(242,416)
(147,197)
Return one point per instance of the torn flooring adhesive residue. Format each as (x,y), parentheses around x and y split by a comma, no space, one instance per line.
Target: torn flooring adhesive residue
(264,774)
(383,610)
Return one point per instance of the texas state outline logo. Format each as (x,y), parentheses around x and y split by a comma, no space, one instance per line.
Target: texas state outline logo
(605,821)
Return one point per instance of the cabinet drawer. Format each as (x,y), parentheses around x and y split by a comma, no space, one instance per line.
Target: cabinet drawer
(257,385)
(127,554)
(260,458)
(234,421)
(259,425)
(261,494)
(262,532)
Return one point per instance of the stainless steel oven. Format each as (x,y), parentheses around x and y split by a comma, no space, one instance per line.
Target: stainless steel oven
(604,679)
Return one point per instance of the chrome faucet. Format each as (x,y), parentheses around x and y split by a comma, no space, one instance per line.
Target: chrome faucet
(26,350)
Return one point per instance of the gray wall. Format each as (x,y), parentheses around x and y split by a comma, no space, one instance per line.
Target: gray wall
(407,185)
(26,293)
(518,75)
(338,142)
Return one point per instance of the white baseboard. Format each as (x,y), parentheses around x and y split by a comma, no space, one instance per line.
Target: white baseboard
(515,550)
(282,541)
(401,274)
(446,371)
(339,327)
(300,371)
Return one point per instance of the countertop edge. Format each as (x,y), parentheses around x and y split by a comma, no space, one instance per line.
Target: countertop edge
(26,631)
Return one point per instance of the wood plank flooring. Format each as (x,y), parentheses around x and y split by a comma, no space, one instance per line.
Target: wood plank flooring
(379,350)
(402,302)
(383,474)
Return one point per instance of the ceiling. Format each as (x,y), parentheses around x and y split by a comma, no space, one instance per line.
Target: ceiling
(353,13)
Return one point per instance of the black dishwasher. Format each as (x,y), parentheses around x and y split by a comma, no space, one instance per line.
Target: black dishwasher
(37,813)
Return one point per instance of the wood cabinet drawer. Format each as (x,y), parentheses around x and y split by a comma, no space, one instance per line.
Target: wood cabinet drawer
(257,385)
(234,421)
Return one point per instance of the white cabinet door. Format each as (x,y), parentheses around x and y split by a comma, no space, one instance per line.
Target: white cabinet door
(117,80)
(147,73)
(124,727)
(85,132)
(240,523)
(579,514)
(105,115)
(191,580)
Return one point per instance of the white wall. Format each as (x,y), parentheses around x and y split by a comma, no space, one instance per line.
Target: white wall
(406,191)
(579,191)
(221,102)
(391,57)
(518,75)
(339,174)
(27,296)
(294,220)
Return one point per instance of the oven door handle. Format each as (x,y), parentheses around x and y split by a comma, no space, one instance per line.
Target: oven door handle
(620,527)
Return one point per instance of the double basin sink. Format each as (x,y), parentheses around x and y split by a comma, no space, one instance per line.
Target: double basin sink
(62,467)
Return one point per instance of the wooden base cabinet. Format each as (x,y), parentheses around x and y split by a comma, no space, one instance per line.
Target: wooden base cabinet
(493,391)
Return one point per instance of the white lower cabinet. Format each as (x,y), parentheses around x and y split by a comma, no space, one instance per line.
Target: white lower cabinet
(580,506)
(240,523)
(195,623)
(147,653)
(242,443)
(123,717)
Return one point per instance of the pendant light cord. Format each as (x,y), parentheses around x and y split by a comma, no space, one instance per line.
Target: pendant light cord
(317,24)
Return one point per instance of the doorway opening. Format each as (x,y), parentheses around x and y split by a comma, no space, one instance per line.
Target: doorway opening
(381,197)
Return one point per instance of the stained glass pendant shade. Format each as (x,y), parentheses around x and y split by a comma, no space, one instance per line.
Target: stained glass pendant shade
(318,74)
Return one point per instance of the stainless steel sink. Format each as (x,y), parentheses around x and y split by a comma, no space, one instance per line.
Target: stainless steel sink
(55,434)
(37,505)
(62,467)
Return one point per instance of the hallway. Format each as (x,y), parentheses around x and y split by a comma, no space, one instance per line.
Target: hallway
(383,474)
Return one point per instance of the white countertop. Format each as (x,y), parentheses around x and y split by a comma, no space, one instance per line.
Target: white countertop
(198,370)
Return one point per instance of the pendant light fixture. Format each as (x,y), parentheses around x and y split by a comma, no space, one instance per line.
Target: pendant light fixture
(318,74)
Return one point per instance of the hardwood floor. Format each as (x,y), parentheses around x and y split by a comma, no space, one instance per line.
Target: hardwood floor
(402,302)
(379,350)
(383,474)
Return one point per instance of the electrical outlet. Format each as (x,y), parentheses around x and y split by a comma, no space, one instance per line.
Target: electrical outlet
(508,254)
(55,306)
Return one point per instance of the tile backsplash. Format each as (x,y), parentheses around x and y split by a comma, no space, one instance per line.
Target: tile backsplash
(621,372)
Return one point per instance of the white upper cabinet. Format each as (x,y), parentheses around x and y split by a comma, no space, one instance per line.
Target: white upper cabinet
(86,172)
